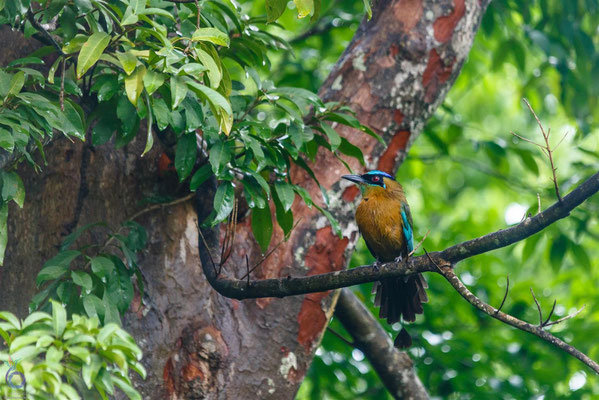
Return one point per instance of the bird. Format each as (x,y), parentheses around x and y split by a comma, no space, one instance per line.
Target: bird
(385,222)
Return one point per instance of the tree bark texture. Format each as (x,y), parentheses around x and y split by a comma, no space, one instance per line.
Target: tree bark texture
(197,343)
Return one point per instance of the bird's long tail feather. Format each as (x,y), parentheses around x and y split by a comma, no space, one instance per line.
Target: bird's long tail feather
(401,299)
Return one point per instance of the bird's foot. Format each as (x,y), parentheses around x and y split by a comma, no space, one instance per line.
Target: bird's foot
(377,265)
(398,259)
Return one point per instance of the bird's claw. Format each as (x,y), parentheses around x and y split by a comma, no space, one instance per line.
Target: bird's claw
(398,259)
(377,265)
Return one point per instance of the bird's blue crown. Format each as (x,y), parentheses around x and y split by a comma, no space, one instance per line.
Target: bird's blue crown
(377,172)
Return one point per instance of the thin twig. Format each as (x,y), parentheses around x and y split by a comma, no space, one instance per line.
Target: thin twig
(198,16)
(507,289)
(419,244)
(227,247)
(142,212)
(247,268)
(43,31)
(62,74)
(272,250)
(536,330)
(547,148)
(565,318)
(344,340)
(550,313)
(538,307)
(161,205)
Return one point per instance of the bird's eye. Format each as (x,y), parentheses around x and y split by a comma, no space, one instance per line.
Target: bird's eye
(376,179)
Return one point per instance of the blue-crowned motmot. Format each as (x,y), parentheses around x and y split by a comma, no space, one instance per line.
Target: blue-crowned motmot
(385,222)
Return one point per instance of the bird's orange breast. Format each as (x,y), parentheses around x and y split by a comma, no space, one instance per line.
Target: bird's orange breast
(379,220)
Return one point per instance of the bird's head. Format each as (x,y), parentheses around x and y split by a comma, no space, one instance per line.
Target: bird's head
(372,179)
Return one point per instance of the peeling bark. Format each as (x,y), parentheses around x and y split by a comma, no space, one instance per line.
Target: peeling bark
(196,343)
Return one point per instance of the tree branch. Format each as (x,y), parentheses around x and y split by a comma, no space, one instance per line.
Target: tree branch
(394,367)
(536,330)
(282,287)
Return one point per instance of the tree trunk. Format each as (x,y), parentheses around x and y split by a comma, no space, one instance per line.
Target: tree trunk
(196,343)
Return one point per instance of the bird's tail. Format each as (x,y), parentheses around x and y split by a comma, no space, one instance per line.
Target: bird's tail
(401,299)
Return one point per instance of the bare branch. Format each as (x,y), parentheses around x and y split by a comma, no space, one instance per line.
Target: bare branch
(507,289)
(289,286)
(47,37)
(564,318)
(394,367)
(546,149)
(536,330)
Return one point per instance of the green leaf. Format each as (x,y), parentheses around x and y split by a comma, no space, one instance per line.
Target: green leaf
(56,266)
(185,155)
(129,17)
(161,112)
(558,251)
(26,353)
(284,218)
(120,291)
(350,150)
(3,230)
(126,388)
(153,80)
(215,98)
(16,84)
(149,136)
(22,341)
(219,156)
(262,227)
(80,352)
(75,44)
(11,319)
(128,61)
(304,7)
(199,177)
(224,200)
(91,51)
(178,91)
(59,318)
(134,84)
(6,140)
(75,125)
(35,317)
(13,188)
(529,161)
(82,279)
(274,9)
(212,35)
(334,138)
(214,72)
(332,220)
(581,255)
(530,246)
(93,306)
(368,8)
(106,333)
(285,194)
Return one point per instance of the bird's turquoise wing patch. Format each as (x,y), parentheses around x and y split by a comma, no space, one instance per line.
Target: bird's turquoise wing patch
(407,228)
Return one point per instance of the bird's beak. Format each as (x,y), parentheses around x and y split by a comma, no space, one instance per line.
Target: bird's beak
(354,178)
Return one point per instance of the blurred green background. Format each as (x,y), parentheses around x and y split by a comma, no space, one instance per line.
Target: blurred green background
(466,176)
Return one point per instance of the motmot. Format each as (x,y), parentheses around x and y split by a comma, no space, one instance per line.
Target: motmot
(385,222)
